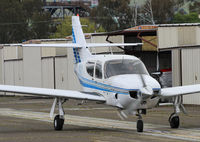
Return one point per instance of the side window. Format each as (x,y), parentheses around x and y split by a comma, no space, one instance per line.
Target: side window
(98,71)
(90,68)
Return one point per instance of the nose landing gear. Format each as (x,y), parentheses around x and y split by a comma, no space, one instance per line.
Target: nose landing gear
(140,124)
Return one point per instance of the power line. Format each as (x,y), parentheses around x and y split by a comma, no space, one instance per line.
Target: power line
(20,23)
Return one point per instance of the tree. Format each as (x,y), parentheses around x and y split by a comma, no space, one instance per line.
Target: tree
(113,14)
(38,20)
(163,10)
(23,20)
(65,28)
(195,7)
(12,21)
(189,18)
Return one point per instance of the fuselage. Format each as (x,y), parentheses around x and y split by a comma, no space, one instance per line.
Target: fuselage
(120,79)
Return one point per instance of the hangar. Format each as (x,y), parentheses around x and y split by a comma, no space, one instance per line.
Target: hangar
(174,46)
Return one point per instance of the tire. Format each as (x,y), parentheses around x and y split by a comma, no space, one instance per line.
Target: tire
(58,123)
(174,121)
(139,126)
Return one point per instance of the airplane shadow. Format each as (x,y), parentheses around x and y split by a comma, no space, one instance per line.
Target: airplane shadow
(65,129)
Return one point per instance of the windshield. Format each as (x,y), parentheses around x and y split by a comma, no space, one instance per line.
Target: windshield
(124,66)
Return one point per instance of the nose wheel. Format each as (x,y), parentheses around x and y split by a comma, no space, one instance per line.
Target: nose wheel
(140,125)
(174,120)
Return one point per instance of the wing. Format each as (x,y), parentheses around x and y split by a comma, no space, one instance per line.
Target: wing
(52,92)
(180,90)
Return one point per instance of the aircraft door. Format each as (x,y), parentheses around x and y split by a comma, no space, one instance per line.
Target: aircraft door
(90,69)
(98,76)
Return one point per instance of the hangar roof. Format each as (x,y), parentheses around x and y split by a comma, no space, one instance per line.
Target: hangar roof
(144,30)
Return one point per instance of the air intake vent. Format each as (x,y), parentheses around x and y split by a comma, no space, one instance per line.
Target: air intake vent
(133,94)
(156,92)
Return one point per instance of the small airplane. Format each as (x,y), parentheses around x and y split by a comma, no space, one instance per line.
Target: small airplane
(121,81)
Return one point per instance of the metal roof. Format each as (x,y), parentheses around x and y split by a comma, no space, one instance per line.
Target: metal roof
(144,32)
(179,25)
(179,47)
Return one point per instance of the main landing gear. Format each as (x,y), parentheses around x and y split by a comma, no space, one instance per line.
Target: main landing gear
(174,120)
(58,122)
(140,124)
(58,119)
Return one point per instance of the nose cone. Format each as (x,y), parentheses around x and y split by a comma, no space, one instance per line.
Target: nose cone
(134,81)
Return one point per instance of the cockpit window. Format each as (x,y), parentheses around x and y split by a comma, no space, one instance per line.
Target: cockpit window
(98,71)
(90,68)
(124,66)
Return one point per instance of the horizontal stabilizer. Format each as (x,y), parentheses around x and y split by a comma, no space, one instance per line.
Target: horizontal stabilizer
(72,45)
(111,44)
(61,45)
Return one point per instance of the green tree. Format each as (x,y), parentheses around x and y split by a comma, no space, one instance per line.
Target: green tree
(113,14)
(12,21)
(163,10)
(65,28)
(195,7)
(189,18)
(38,20)
(23,20)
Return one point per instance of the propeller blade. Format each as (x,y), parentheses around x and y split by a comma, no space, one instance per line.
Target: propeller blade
(122,114)
(142,80)
(148,91)
(132,107)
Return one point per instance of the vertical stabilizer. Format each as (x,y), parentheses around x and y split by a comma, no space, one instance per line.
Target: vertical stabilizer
(78,37)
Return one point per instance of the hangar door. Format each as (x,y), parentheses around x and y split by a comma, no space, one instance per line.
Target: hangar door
(191,72)
(48,73)
(13,73)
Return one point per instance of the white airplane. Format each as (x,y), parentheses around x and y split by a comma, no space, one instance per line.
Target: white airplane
(121,81)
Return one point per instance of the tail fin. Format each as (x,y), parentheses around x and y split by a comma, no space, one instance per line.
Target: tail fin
(80,54)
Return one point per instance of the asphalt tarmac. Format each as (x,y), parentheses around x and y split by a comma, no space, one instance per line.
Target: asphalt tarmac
(27,120)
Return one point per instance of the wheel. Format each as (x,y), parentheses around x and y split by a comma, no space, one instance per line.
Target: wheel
(58,123)
(174,121)
(139,126)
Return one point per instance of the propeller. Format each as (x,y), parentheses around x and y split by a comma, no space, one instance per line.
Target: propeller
(145,93)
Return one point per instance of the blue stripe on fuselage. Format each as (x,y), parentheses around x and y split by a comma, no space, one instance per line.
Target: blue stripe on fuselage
(99,88)
(104,87)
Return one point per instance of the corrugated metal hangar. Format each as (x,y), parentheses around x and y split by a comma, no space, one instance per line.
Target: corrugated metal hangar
(169,46)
